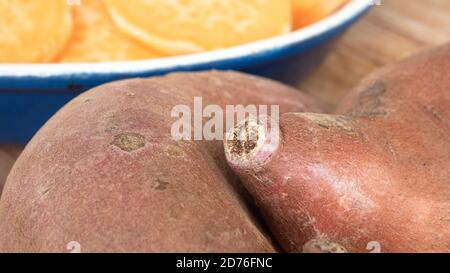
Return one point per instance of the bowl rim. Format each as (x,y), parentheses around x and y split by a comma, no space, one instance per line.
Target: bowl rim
(347,13)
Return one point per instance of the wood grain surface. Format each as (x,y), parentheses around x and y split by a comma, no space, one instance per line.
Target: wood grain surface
(392,31)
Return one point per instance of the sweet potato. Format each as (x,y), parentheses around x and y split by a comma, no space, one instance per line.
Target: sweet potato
(96,39)
(106,173)
(374,176)
(33,31)
(306,12)
(180,27)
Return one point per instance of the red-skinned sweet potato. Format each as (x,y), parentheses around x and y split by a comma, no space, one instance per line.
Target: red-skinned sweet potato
(374,176)
(105,172)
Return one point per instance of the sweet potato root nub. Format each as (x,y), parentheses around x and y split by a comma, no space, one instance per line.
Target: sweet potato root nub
(374,176)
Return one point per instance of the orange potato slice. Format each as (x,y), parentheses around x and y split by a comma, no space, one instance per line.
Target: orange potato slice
(306,12)
(33,31)
(97,39)
(186,26)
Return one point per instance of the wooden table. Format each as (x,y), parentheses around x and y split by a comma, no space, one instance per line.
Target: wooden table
(390,32)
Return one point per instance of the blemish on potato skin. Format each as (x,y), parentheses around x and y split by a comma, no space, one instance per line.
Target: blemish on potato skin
(286,180)
(258,177)
(114,120)
(322,245)
(46,191)
(129,142)
(177,211)
(369,101)
(391,149)
(435,115)
(284,195)
(329,121)
(161,183)
(174,151)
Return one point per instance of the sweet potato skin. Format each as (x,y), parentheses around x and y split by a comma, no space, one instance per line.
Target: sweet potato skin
(105,172)
(374,176)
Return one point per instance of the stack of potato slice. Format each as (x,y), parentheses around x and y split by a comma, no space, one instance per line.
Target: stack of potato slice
(33,31)
(114,30)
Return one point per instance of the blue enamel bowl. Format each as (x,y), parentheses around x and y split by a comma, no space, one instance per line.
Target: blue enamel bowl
(31,93)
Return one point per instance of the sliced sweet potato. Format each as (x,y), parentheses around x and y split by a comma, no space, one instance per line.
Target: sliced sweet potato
(306,12)
(33,31)
(176,27)
(97,39)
